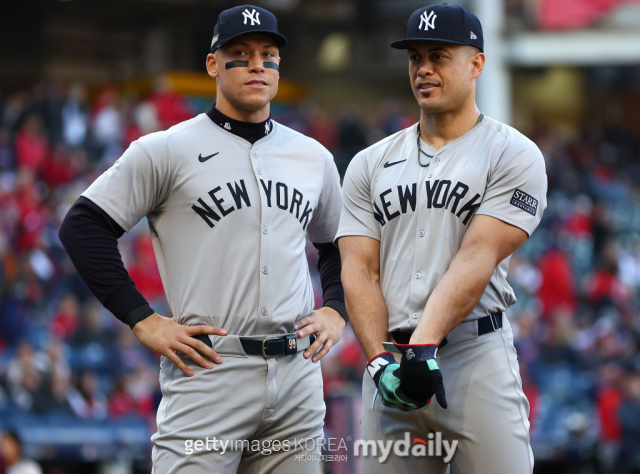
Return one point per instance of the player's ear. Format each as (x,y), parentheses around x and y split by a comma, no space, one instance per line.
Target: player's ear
(477,64)
(212,65)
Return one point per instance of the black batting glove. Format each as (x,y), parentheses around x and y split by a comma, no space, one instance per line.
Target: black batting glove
(378,364)
(419,374)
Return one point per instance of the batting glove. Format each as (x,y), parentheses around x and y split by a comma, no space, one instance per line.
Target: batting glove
(384,371)
(419,374)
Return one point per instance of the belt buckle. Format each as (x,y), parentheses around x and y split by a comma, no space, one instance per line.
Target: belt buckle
(264,342)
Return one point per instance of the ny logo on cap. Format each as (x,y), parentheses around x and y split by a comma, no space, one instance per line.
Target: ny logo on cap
(427,20)
(253,16)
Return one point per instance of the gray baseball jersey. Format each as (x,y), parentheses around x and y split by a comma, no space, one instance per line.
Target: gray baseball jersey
(420,213)
(228,220)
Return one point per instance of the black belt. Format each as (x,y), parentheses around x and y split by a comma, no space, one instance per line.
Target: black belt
(286,344)
(488,324)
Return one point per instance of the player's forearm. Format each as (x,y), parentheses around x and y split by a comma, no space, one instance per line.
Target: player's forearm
(458,292)
(366,308)
(90,237)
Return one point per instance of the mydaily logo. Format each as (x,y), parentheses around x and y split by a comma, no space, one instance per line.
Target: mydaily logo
(434,446)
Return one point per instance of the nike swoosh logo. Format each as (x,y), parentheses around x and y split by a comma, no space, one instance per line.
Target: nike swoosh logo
(202,159)
(388,163)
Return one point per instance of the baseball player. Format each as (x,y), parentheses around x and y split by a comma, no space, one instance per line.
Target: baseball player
(230,197)
(430,218)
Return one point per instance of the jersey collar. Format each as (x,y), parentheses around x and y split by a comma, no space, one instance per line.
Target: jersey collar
(252,132)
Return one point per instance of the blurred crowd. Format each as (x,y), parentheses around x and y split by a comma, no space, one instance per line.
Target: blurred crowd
(576,323)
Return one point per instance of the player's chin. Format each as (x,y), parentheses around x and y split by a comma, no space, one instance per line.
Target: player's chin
(258,98)
(429,104)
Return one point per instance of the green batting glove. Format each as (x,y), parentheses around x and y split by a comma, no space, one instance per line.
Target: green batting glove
(384,371)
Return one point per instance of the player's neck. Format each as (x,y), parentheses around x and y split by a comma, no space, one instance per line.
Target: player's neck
(243,115)
(439,129)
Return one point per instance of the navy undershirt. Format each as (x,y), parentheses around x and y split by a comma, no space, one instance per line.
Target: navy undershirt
(252,132)
(90,237)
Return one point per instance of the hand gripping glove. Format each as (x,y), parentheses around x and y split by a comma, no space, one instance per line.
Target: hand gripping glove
(384,371)
(419,374)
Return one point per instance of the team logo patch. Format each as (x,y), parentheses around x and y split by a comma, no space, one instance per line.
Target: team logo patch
(427,21)
(253,16)
(523,201)
(410,354)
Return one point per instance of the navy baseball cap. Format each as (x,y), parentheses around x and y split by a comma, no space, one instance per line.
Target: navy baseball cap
(443,22)
(243,20)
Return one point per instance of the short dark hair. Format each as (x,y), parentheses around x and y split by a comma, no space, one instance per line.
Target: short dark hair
(475,49)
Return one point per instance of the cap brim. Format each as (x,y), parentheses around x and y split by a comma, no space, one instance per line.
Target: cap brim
(280,39)
(404,44)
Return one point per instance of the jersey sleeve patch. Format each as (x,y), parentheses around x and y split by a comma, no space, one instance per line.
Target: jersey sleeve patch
(524,201)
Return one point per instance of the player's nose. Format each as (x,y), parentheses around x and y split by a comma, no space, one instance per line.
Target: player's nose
(426,68)
(256,64)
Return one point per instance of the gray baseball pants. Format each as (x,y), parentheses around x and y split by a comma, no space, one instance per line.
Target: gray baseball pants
(487,411)
(248,415)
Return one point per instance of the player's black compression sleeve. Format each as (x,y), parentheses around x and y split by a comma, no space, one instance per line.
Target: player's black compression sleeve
(330,266)
(90,237)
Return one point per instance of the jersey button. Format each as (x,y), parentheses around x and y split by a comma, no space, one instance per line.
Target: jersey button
(430,175)
(254,154)
(421,233)
(437,160)
(258,171)
(414,315)
(264,230)
(265,270)
(263,311)
(418,275)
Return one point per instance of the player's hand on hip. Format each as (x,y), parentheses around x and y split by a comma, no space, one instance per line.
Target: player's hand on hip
(327,325)
(420,376)
(166,336)
(384,371)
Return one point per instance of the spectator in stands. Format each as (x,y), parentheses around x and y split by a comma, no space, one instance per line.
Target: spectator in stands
(52,362)
(53,395)
(92,330)
(86,399)
(629,418)
(32,144)
(557,288)
(609,400)
(108,124)
(133,394)
(66,321)
(11,452)
(22,377)
(75,117)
